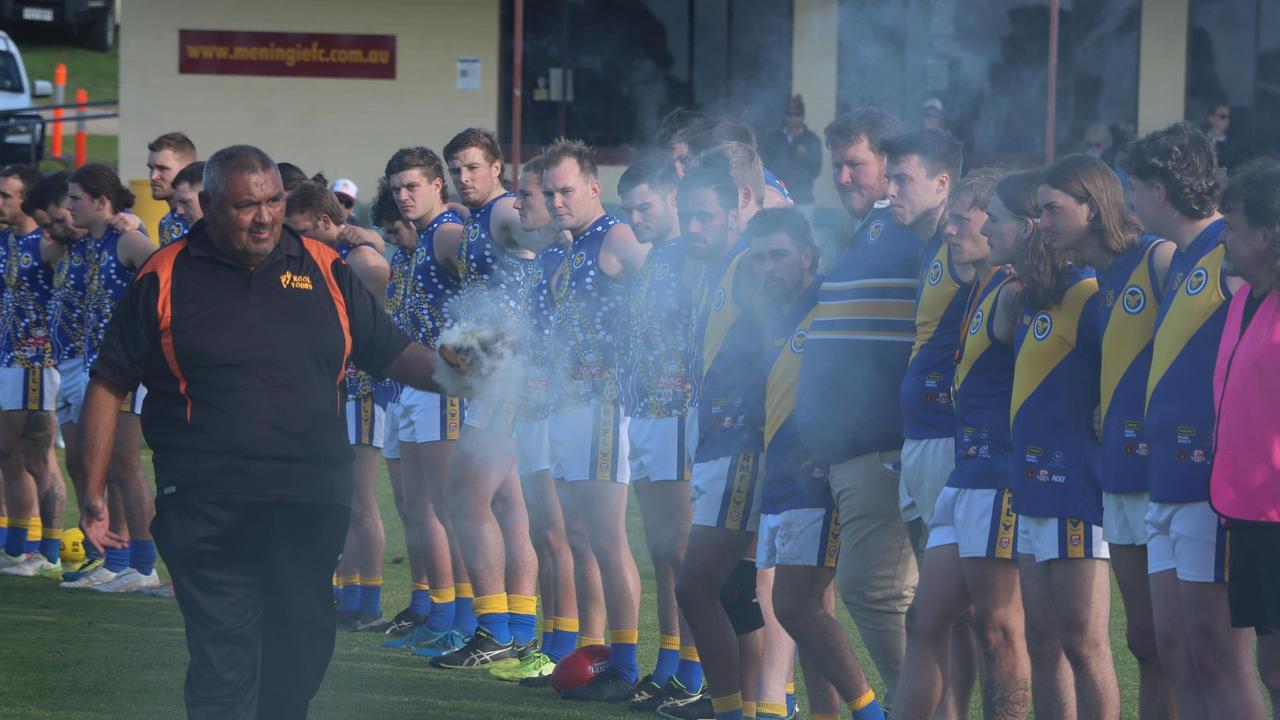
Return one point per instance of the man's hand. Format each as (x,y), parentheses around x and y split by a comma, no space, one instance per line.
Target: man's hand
(124,222)
(95,522)
(356,235)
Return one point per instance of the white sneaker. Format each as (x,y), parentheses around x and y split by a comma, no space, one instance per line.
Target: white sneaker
(101,576)
(130,580)
(7,560)
(35,565)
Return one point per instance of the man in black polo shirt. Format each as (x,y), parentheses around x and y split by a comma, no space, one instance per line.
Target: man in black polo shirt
(241,333)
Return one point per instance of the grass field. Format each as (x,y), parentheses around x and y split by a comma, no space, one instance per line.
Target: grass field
(85,655)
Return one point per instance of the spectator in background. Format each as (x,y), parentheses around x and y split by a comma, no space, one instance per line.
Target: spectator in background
(1099,143)
(932,116)
(1217,125)
(346,191)
(1242,488)
(794,153)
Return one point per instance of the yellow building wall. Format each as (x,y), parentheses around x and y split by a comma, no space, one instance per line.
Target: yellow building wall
(1162,63)
(343,127)
(814,71)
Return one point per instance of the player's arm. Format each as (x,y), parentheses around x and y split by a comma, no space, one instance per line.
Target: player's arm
(1161,260)
(447,239)
(134,248)
(372,269)
(505,225)
(125,222)
(1007,304)
(621,255)
(356,235)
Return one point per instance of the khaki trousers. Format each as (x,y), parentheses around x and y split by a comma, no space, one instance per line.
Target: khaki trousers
(876,573)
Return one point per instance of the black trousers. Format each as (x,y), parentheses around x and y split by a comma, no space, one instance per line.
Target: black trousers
(253,581)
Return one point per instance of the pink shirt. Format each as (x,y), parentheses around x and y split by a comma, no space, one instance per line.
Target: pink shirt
(1246,388)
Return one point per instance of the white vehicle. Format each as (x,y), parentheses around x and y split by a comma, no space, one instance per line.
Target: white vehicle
(16,93)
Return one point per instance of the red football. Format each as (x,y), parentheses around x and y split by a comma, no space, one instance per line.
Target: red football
(578,667)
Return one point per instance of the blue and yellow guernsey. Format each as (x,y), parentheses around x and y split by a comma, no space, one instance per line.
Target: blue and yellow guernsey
(1180,410)
(26,341)
(587,323)
(106,280)
(534,400)
(925,393)
(397,299)
(485,265)
(359,384)
(432,287)
(728,350)
(172,228)
(67,303)
(983,388)
(847,402)
(1056,463)
(659,327)
(793,479)
(1130,295)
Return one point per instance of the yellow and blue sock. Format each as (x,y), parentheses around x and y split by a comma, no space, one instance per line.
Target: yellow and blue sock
(689,671)
(420,600)
(771,711)
(370,602)
(791,699)
(4,529)
(142,555)
(866,707)
(622,653)
(51,544)
(563,639)
(117,559)
(493,615)
(465,618)
(588,641)
(15,542)
(728,707)
(548,631)
(749,710)
(444,608)
(348,596)
(35,532)
(522,617)
(668,659)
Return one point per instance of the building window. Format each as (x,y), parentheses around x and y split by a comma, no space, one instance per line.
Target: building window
(1233,60)
(609,72)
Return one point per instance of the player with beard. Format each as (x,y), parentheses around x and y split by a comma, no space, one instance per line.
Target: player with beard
(658,388)
(483,494)
(167,155)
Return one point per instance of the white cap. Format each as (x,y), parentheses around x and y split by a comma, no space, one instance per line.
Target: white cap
(932,103)
(343,186)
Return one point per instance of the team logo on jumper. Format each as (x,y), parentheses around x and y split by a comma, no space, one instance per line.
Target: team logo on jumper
(473,231)
(1197,281)
(579,259)
(1041,326)
(25,261)
(718,302)
(873,232)
(662,271)
(295,282)
(537,276)
(976,324)
(1134,300)
(935,272)
(798,340)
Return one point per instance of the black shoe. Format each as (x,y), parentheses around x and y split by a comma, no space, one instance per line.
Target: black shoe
(367,623)
(609,686)
(481,651)
(527,649)
(648,695)
(347,620)
(404,622)
(684,705)
(542,681)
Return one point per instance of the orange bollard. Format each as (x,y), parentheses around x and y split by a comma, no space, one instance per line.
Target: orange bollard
(59,98)
(82,140)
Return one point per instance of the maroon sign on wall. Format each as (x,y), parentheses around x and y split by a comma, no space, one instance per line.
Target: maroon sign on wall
(233,52)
